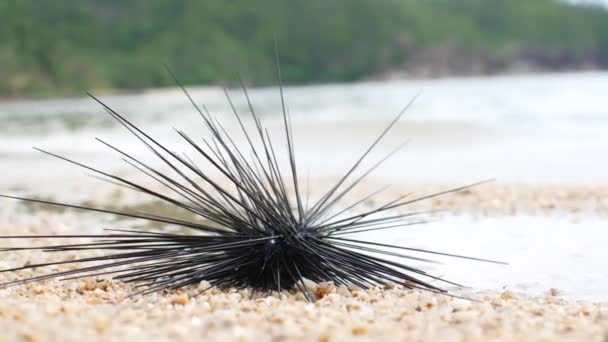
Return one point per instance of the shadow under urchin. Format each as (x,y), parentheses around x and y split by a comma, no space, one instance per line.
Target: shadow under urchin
(258,233)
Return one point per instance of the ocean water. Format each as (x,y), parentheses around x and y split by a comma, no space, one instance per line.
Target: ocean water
(550,128)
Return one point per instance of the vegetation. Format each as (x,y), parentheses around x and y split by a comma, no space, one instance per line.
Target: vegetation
(63,47)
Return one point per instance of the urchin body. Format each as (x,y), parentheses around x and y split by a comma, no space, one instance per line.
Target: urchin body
(276,264)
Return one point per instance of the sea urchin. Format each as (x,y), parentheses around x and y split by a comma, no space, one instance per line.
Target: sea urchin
(257,232)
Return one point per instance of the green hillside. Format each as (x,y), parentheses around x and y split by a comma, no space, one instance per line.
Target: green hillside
(64,47)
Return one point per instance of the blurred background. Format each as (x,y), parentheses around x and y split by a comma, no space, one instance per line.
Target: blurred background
(508,89)
(64,47)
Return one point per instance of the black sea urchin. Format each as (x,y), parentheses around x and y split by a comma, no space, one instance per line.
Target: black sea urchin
(258,233)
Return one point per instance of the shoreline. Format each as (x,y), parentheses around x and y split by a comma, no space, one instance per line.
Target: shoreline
(389,76)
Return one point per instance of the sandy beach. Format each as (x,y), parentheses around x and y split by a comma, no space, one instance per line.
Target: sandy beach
(94,311)
(96,308)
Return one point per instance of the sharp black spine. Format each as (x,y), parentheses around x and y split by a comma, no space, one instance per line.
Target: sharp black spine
(258,235)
